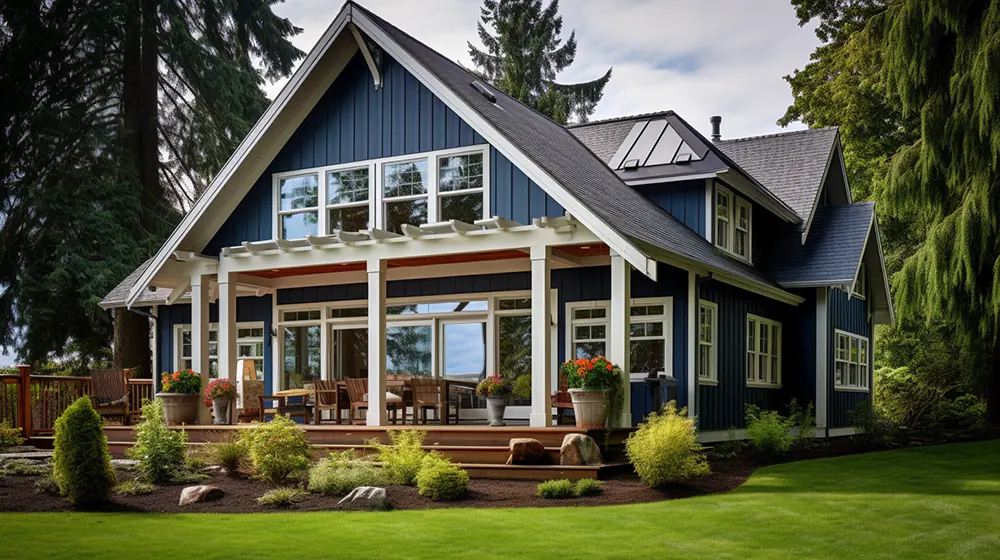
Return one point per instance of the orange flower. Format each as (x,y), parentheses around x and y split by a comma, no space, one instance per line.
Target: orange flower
(610,367)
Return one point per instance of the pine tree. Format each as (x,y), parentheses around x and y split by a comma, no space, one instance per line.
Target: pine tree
(523,54)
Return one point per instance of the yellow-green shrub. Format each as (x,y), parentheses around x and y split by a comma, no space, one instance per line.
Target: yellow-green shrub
(556,489)
(440,479)
(340,473)
(665,448)
(278,450)
(9,436)
(402,459)
(768,431)
(589,487)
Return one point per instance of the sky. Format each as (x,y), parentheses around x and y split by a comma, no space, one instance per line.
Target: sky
(697,57)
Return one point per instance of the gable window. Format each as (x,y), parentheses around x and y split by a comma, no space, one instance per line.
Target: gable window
(851,362)
(763,367)
(347,199)
(733,216)
(649,342)
(707,347)
(405,194)
(299,206)
(861,283)
(460,187)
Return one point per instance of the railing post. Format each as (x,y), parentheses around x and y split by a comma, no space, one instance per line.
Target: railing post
(24,400)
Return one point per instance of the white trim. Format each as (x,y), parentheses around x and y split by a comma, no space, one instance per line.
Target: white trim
(541,346)
(840,432)
(619,329)
(822,357)
(692,334)
(775,332)
(713,377)
(363,47)
(667,319)
(733,203)
(863,372)
(672,179)
(709,209)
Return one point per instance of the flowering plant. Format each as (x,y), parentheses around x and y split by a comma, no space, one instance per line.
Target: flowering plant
(182,381)
(219,389)
(597,374)
(493,386)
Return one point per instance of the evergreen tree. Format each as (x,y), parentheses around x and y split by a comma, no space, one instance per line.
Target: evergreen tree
(523,54)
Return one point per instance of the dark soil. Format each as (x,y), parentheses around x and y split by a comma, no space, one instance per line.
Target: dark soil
(18,494)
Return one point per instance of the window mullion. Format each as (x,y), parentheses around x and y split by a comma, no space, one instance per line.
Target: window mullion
(432,190)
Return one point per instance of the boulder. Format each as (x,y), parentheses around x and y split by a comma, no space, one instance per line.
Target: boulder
(526,451)
(367,498)
(215,470)
(203,493)
(579,450)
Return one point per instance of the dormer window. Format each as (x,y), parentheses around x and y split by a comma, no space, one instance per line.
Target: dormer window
(733,215)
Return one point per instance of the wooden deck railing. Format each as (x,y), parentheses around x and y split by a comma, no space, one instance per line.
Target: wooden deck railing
(50,396)
(10,394)
(139,390)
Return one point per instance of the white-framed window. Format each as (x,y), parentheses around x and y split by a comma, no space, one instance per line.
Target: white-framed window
(763,367)
(851,362)
(861,284)
(650,343)
(249,344)
(383,193)
(708,367)
(733,220)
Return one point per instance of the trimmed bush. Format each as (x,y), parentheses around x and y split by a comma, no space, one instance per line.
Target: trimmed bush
(403,458)
(589,487)
(282,497)
(229,455)
(340,473)
(82,464)
(440,479)
(665,448)
(159,450)
(134,488)
(769,432)
(9,436)
(556,489)
(278,450)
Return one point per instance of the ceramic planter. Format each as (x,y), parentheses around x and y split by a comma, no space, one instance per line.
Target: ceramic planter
(495,408)
(220,411)
(180,408)
(590,408)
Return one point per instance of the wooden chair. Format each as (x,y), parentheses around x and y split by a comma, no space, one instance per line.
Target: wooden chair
(429,394)
(561,400)
(327,398)
(249,402)
(109,392)
(357,392)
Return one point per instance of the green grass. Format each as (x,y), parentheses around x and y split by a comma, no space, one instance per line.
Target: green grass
(934,502)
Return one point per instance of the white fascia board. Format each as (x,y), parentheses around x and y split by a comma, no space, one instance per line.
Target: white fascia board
(759,194)
(618,242)
(240,156)
(671,179)
(822,185)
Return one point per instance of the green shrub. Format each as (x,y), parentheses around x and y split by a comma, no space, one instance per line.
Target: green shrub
(159,450)
(872,426)
(282,497)
(187,476)
(804,420)
(556,489)
(965,412)
(278,450)
(665,448)
(440,479)
(24,467)
(906,398)
(589,487)
(729,448)
(47,485)
(340,473)
(134,488)
(402,459)
(229,455)
(768,431)
(195,463)
(9,436)
(82,464)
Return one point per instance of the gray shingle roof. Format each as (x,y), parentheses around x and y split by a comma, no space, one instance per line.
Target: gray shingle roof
(118,296)
(832,250)
(556,150)
(789,164)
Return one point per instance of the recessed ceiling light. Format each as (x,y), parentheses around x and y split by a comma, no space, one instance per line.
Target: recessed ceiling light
(275,270)
(585,246)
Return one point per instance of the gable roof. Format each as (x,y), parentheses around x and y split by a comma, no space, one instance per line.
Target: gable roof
(792,165)
(118,296)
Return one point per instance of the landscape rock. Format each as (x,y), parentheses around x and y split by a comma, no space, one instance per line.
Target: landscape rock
(526,451)
(579,450)
(366,498)
(203,493)
(214,470)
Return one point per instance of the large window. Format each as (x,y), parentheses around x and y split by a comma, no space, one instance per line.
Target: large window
(347,199)
(301,353)
(513,320)
(763,366)
(299,206)
(405,194)
(460,180)
(851,362)
(733,218)
(463,350)
(649,347)
(408,350)
(707,344)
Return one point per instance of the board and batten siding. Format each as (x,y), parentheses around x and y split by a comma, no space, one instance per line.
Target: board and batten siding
(849,314)
(355,122)
(684,200)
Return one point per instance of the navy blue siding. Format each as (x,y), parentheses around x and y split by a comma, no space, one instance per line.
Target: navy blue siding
(850,315)
(683,200)
(354,122)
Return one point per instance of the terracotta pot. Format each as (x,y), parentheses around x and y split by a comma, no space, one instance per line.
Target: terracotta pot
(589,408)
(495,408)
(180,408)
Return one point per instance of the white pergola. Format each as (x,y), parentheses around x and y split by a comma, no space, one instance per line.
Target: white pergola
(540,242)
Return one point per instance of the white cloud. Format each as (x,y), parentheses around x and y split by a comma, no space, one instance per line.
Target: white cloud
(697,57)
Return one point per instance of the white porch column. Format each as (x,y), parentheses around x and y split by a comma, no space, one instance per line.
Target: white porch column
(199,337)
(822,379)
(692,344)
(376,342)
(619,331)
(227,329)
(541,338)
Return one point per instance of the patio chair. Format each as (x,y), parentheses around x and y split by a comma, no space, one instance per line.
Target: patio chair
(357,392)
(109,392)
(428,394)
(328,398)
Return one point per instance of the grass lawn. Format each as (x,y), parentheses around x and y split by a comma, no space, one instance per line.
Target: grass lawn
(929,502)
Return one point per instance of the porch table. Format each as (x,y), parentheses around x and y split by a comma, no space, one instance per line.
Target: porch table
(304,407)
(403,386)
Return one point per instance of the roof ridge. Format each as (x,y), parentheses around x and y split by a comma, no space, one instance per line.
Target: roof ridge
(777,134)
(622,118)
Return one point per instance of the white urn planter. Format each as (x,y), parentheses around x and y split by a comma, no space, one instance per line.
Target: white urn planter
(590,408)
(495,409)
(220,411)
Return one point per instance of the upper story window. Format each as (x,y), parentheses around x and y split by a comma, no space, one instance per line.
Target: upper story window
(733,216)
(708,369)
(861,284)
(385,193)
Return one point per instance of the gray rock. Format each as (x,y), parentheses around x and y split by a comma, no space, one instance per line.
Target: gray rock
(214,470)
(367,498)
(579,450)
(203,493)
(526,451)
(29,455)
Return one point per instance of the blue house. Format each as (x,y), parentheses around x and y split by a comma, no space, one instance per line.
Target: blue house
(391,215)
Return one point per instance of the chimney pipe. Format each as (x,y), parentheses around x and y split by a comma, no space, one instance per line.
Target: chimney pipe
(716,125)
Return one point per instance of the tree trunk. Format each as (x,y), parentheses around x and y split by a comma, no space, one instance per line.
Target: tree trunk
(152,194)
(132,342)
(993,386)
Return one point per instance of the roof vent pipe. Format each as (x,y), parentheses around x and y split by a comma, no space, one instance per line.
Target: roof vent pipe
(716,126)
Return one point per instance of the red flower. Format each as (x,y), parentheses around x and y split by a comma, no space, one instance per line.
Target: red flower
(610,367)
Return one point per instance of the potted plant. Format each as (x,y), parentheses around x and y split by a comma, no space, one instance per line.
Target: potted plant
(179,393)
(595,385)
(219,395)
(496,391)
